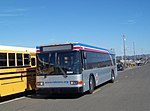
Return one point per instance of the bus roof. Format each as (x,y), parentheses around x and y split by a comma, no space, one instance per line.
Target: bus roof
(81,46)
(15,48)
(78,46)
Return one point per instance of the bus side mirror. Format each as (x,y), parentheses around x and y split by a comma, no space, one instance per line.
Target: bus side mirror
(84,55)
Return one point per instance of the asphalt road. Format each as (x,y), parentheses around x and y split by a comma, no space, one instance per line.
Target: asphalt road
(130,92)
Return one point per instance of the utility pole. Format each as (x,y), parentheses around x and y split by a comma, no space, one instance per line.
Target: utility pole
(124,47)
(134,51)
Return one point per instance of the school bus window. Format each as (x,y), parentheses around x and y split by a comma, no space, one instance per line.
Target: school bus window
(26,59)
(33,61)
(3,59)
(11,59)
(19,60)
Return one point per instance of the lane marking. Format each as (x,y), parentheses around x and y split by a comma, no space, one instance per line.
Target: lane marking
(12,100)
(97,90)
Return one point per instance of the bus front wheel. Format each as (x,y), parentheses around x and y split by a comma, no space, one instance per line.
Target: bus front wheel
(91,85)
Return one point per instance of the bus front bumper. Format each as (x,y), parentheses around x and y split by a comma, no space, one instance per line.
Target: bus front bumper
(61,90)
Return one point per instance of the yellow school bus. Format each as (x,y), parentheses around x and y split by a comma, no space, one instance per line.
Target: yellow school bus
(17,69)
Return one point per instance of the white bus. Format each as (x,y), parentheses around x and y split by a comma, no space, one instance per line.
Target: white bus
(73,68)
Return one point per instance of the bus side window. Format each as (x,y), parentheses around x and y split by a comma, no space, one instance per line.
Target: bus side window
(3,59)
(26,59)
(11,57)
(19,59)
(32,61)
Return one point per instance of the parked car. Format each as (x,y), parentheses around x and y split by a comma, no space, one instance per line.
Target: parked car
(120,67)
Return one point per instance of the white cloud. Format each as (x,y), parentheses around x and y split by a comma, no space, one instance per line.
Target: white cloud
(12,12)
(8,15)
(15,10)
(131,21)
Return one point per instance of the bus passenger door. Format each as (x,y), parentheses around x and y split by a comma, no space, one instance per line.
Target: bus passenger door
(31,74)
(85,72)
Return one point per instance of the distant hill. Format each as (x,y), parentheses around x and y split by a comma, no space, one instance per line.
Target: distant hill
(136,57)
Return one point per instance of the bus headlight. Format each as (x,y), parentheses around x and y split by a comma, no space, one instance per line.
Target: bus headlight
(76,82)
(73,82)
(40,83)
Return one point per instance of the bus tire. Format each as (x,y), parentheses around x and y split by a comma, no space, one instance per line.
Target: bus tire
(91,85)
(112,77)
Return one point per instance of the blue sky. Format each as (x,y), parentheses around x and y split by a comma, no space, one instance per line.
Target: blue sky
(101,23)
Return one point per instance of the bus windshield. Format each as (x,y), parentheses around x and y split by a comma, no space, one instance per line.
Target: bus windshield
(58,63)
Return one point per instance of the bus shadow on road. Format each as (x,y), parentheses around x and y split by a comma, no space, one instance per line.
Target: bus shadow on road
(102,85)
(56,96)
(11,97)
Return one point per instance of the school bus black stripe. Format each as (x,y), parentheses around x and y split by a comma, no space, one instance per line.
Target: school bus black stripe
(13,77)
(10,67)
(11,82)
(28,71)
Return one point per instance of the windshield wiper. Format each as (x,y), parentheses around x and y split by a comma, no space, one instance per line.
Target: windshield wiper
(64,74)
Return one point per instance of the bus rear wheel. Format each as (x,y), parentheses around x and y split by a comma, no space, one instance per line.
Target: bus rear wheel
(112,77)
(91,85)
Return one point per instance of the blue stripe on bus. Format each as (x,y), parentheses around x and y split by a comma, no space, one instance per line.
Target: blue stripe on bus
(92,47)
